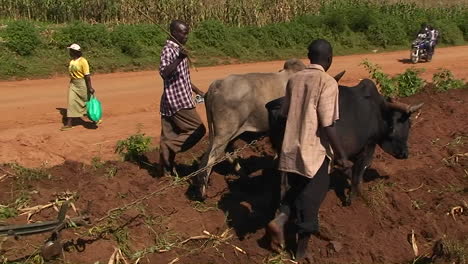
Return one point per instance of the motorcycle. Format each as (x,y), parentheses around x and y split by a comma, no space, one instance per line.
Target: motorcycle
(420,50)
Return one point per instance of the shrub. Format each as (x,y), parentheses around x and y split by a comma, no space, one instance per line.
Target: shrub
(133,148)
(125,38)
(22,37)
(409,82)
(463,25)
(86,35)
(387,85)
(350,39)
(402,85)
(335,21)
(150,35)
(360,19)
(7,212)
(387,31)
(29,174)
(450,33)
(444,80)
(211,32)
(279,35)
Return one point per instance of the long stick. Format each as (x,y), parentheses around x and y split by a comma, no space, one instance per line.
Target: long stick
(170,35)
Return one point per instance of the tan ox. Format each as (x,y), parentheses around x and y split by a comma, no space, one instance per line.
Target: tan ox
(236,104)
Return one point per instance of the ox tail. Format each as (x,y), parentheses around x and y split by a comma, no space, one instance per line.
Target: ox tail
(209,109)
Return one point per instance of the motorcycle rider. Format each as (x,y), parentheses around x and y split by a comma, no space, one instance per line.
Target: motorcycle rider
(425,34)
(434,39)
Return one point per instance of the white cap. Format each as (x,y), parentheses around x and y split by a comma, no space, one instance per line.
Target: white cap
(74,47)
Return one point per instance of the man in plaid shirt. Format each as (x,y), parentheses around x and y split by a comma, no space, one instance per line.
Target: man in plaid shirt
(181,127)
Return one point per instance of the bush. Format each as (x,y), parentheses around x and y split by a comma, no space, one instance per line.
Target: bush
(86,35)
(126,39)
(7,212)
(387,31)
(402,85)
(409,82)
(150,35)
(449,32)
(133,148)
(350,25)
(463,25)
(444,80)
(22,37)
(350,39)
(387,85)
(279,35)
(211,32)
(360,19)
(335,21)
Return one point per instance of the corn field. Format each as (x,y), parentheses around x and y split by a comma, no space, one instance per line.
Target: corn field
(234,12)
(231,12)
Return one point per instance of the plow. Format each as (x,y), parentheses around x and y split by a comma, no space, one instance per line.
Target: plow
(52,247)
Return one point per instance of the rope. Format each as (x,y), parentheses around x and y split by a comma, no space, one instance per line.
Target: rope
(189,176)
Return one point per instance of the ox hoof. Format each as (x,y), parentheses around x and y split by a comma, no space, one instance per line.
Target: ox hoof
(203,192)
(199,193)
(347,201)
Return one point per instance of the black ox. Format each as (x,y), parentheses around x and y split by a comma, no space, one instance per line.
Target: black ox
(367,119)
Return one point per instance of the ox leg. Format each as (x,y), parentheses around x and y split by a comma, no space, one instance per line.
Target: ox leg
(214,152)
(237,167)
(361,163)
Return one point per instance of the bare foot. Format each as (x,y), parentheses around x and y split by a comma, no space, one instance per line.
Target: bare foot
(302,245)
(276,233)
(306,259)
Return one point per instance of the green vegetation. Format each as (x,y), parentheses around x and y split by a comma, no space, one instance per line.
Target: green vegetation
(116,38)
(24,174)
(444,81)
(7,212)
(401,85)
(21,193)
(256,12)
(409,82)
(97,163)
(133,148)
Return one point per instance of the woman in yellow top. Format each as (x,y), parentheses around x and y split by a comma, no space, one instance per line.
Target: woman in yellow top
(80,85)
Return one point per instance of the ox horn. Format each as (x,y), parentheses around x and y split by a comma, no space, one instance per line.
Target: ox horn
(403,107)
(414,108)
(339,75)
(398,106)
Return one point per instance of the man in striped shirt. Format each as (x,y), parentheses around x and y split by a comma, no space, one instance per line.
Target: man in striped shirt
(181,127)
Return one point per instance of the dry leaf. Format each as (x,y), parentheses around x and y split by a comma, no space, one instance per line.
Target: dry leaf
(30,211)
(112,257)
(74,207)
(194,238)
(239,249)
(174,261)
(122,256)
(413,243)
(225,233)
(414,189)
(456,210)
(3,177)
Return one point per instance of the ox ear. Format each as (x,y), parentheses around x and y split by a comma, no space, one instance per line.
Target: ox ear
(414,108)
(339,75)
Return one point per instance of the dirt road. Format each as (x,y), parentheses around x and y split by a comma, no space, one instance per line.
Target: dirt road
(30,120)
